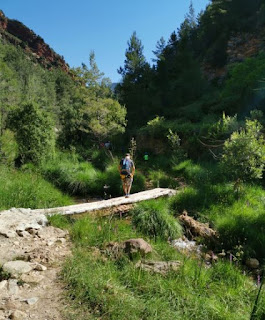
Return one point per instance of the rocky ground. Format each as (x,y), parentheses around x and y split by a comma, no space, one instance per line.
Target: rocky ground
(31,255)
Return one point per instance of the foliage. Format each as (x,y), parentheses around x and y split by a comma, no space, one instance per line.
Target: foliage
(28,190)
(244,153)
(81,178)
(34,133)
(153,219)
(208,293)
(8,147)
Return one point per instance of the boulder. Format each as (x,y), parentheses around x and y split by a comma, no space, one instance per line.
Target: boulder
(17,267)
(252,263)
(161,267)
(137,246)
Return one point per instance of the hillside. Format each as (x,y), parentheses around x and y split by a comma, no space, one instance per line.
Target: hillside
(16,33)
(193,121)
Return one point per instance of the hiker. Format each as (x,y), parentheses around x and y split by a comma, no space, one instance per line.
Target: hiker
(127,170)
(146,157)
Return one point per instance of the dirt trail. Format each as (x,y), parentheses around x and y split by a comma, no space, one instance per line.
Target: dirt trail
(31,256)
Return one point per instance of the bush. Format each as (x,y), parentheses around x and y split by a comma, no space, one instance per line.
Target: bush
(244,153)
(34,133)
(154,219)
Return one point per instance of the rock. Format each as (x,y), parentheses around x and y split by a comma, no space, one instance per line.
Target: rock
(31,301)
(137,246)
(18,315)
(17,267)
(32,277)
(12,287)
(252,263)
(161,267)
(186,246)
(52,233)
(39,267)
(18,221)
(2,315)
(8,233)
(3,285)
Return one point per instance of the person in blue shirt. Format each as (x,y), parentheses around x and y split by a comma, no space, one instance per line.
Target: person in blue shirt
(127,170)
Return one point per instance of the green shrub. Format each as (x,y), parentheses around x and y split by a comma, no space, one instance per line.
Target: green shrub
(244,153)
(154,219)
(8,147)
(34,133)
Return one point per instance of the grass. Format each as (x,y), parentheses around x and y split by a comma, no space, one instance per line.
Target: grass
(28,190)
(81,178)
(153,218)
(236,213)
(114,289)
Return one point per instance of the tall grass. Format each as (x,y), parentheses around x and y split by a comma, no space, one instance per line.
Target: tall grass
(153,219)
(115,289)
(81,178)
(28,190)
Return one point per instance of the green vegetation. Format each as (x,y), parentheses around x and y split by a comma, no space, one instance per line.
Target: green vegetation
(28,190)
(198,112)
(102,287)
(82,178)
(153,219)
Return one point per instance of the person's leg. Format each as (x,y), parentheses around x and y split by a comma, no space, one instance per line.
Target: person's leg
(129,185)
(124,186)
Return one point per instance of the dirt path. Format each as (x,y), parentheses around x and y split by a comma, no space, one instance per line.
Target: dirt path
(31,261)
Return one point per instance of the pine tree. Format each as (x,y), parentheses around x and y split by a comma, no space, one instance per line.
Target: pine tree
(135,60)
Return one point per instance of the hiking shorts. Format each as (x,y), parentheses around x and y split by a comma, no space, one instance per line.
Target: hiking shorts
(126,180)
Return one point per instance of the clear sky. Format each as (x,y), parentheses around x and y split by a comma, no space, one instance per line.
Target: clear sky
(75,27)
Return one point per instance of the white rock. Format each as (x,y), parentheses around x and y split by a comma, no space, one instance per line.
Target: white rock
(32,277)
(31,301)
(3,285)
(12,287)
(17,267)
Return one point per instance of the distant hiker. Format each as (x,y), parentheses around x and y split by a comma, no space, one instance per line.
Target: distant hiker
(146,157)
(108,145)
(127,170)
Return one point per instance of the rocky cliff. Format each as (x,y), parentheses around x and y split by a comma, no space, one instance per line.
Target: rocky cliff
(240,46)
(18,34)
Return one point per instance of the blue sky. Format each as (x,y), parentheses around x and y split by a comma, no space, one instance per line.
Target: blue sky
(75,27)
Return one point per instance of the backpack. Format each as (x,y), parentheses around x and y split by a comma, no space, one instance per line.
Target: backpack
(126,166)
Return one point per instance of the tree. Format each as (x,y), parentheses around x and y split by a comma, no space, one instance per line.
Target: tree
(135,60)
(9,94)
(244,153)
(160,46)
(134,90)
(93,78)
(34,133)
(102,118)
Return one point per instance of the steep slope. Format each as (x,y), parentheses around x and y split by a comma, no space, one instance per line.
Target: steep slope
(18,34)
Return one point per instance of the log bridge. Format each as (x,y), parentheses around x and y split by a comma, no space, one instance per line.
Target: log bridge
(110,204)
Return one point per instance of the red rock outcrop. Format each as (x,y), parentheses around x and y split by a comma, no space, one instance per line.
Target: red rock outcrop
(17,33)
